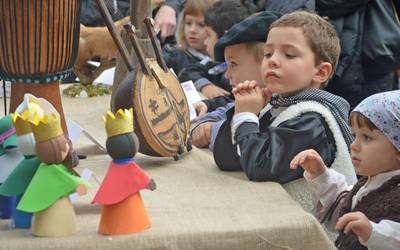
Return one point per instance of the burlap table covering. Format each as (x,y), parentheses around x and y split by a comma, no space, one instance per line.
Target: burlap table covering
(195,206)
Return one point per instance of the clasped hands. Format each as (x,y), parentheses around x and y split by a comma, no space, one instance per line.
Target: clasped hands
(249,97)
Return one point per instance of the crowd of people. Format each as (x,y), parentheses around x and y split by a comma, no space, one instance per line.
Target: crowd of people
(297,93)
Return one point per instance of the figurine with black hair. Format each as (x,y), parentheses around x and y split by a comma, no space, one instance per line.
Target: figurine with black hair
(123,210)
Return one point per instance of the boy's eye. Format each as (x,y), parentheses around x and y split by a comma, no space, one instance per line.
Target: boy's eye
(290,55)
(367,138)
(231,65)
(267,55)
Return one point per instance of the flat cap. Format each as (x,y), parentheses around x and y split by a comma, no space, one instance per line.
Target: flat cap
(252,29)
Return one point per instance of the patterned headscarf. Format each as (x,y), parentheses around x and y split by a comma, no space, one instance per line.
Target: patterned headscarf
(383,110)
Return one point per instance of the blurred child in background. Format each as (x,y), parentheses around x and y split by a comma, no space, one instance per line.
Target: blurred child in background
(191,37)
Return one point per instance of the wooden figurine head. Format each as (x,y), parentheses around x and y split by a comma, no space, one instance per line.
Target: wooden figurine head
(51,145)
(122,142)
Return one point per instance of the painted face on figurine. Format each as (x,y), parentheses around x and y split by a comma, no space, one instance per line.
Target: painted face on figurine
(122,146)
(53,151)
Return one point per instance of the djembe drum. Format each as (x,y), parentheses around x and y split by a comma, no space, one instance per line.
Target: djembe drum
(38,47)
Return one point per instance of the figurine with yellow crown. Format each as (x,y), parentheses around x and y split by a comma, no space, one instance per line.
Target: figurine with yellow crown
(20,177)
(47,194)
(123,211)
(41,107)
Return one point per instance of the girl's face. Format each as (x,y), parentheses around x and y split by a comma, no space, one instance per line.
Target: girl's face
(195,32)
(372,153)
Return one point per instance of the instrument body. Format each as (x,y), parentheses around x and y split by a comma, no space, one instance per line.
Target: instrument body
(161,111)
(161,114)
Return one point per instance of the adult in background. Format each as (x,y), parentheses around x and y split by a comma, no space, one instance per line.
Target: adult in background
(166,16)
(355,79)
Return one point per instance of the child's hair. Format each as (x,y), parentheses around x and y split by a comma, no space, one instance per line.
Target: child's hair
(193,8)
(319,33)
(224,14)
(256,49)
(359,120)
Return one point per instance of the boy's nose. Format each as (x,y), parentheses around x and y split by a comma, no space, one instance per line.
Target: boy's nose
(354,146)
(273,62)
(228,76)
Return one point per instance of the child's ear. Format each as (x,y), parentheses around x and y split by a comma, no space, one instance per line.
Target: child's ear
(324,70)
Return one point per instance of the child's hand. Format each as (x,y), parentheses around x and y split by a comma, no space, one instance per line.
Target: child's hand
(267,95)
(248,98)
(311,161)
(211,91)
(201,135)
(356,222)
(245,86)
(200,107)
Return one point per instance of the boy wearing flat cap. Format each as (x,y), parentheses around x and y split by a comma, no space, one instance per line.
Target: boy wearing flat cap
(241,47)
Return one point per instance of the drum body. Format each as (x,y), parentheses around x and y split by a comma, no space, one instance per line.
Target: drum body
(161,111)
(39,42)
(38,39)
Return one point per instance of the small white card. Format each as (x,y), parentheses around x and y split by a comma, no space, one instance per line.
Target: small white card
(85,175)
(74,130)
(192,96)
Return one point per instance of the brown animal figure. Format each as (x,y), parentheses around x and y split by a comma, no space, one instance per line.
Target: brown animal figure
(96,42)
